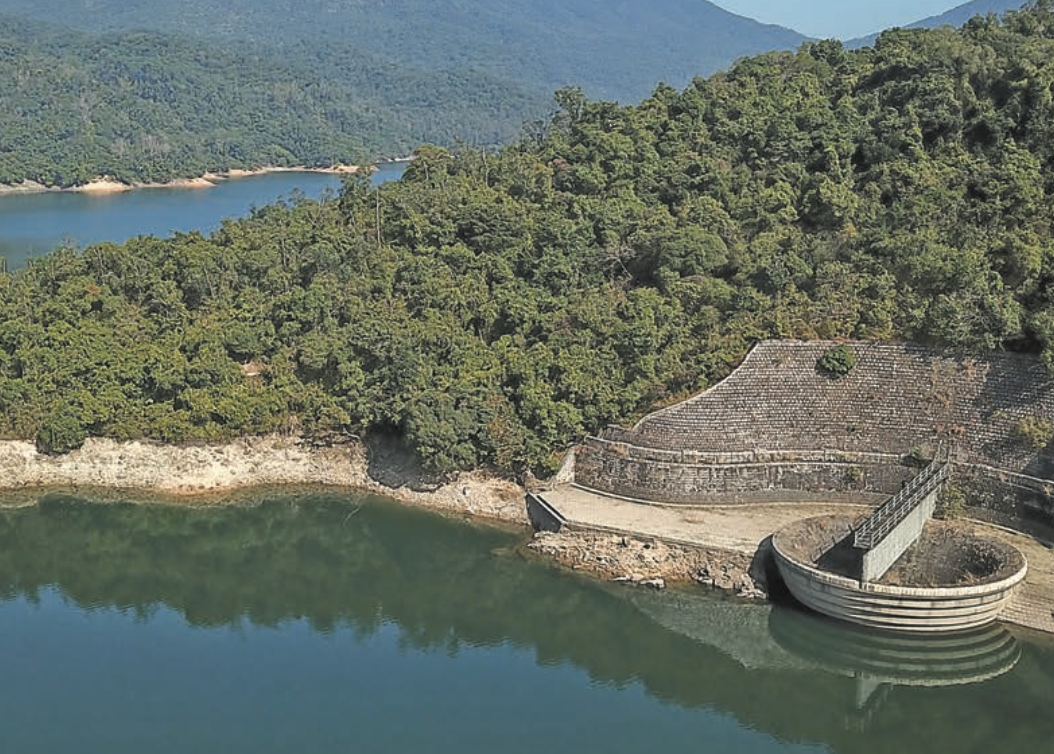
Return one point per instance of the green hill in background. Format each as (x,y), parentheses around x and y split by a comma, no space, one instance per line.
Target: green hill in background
(144,106)
(612,49)
(960,14)
(145,90)
(956,17)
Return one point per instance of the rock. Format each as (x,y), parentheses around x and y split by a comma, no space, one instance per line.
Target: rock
(654,583)
(751,593)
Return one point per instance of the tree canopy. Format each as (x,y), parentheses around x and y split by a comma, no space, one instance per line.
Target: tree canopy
(146,106)
(494,306)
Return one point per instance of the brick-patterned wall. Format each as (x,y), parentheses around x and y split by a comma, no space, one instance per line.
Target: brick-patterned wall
(834,435)
(897,397)
(721,478)
(1022,503)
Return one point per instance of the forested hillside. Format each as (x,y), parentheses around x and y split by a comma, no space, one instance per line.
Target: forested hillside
(143,106)
(613,50)
(147,90)
(960,14)
(492,308)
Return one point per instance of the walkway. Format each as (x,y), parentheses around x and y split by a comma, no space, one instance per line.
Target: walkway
(898,523)
(892,513)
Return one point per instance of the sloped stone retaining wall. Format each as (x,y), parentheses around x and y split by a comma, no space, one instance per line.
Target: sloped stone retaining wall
(695,478)
(780,428)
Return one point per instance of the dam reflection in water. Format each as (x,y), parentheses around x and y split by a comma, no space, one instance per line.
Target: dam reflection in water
(877,660)
(789,637)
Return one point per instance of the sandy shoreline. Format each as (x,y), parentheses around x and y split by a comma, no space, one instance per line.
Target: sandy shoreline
(105,185)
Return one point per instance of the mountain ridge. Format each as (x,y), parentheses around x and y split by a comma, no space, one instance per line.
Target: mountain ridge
(956,17)
(612,50)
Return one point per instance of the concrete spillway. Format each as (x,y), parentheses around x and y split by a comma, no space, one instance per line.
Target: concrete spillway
(989,571)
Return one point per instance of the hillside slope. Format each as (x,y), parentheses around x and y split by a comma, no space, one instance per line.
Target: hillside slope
(955,17)
(143,90)
(960,14)
(146,106)
(613,50)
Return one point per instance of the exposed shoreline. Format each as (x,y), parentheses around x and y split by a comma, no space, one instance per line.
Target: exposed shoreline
(198,474)
(105,185)
(229,474)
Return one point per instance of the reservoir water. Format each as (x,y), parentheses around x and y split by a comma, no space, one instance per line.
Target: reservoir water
(322,622)
(33,224)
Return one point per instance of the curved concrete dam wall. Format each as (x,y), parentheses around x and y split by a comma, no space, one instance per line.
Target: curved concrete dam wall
(894,607)
(781,428)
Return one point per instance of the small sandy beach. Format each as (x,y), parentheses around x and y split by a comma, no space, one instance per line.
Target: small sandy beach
(106,185)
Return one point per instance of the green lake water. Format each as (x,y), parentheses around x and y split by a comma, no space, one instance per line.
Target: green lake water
(320,622)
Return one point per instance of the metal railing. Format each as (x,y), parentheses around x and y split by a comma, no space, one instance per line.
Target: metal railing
(892,512)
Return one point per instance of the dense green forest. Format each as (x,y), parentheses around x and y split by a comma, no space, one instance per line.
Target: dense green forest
(143,106)
(144,90)
(492,307)
(613,50)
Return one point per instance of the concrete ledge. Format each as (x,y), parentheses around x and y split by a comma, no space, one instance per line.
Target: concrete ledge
(542,515)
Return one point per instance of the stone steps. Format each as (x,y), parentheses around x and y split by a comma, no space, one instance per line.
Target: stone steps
(1029,610)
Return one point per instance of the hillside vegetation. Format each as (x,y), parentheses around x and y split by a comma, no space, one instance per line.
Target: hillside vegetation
(143,90)
(956,16)
(960,14)
(614,50)
(145,106)
(491,308)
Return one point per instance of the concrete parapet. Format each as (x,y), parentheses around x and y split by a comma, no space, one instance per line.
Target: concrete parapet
(542,515)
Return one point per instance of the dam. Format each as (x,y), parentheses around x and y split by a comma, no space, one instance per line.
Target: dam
(781,430)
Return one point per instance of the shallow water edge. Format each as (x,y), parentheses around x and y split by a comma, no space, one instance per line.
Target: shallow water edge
(233,471)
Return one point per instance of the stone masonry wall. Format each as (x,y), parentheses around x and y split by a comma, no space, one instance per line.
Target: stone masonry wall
(672,477)
(896,398)
(1019,502)
(779,424)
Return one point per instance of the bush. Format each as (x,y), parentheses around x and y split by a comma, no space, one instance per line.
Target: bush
(60,432)
(837,361)
(951,504)
(1033,432)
